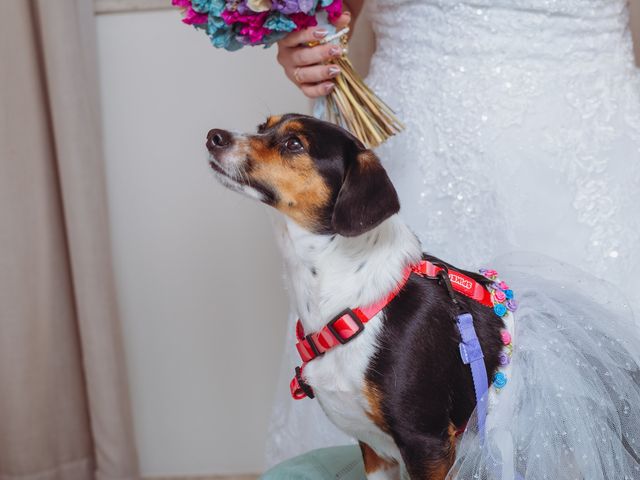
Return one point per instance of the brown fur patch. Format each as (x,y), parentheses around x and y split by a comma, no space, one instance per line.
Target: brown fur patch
(302,192)
(273,120)
(438,470)
(374,397)
(372,461)
(368,159)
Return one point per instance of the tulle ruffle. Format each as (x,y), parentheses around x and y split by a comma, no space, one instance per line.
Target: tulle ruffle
(571,408)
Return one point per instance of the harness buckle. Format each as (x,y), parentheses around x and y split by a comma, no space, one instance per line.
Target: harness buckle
(300,388)
(346,326)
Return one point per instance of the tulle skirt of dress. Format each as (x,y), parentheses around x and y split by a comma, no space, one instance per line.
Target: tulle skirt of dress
(571,407)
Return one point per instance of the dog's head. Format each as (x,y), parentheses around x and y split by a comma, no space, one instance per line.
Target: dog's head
(318,174)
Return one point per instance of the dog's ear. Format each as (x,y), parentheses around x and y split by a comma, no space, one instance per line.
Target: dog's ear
(367,197)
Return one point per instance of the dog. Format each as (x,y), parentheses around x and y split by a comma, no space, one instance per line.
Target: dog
(398,386)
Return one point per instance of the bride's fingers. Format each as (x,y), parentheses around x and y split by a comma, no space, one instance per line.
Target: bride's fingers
(317,90)
(342,21)
(307,35)
(314,74)
(311,55)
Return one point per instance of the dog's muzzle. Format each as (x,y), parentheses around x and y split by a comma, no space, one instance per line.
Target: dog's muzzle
(219,140)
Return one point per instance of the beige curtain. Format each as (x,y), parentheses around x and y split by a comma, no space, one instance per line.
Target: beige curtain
(64,411)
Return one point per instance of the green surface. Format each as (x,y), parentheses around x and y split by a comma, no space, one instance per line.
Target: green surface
(334,463)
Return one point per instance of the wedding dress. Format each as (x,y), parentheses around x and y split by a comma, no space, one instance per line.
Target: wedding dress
(523,133)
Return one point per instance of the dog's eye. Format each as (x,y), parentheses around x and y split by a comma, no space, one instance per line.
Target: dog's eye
(294,145)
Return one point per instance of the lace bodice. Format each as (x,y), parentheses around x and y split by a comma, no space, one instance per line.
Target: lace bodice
(523,126)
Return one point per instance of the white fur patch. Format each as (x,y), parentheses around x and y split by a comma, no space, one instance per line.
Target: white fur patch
(329,274)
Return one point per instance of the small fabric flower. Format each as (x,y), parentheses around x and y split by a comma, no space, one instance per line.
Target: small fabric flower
(503,359)
(489,273)
(509,294)
(499,380)
(499,295)
(505,336)
(500,309)
(512,305)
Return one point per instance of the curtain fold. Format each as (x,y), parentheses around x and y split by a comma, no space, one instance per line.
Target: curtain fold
(64,400)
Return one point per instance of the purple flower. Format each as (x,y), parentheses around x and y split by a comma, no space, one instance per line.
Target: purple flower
(287,6)
(306,5)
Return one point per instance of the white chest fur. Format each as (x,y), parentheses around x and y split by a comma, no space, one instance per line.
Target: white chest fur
(328,274)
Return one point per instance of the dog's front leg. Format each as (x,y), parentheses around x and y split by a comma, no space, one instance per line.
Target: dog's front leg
(428,457)
(378,468)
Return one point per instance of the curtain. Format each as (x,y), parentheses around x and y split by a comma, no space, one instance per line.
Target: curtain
(64,403)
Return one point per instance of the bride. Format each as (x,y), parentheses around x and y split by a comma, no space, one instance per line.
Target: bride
(523,133)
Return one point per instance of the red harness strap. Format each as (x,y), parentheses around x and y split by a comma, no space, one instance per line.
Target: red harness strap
(350,323)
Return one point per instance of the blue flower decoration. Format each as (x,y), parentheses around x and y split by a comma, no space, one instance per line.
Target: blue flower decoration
(201,6)
(509,294)
(325,3)
(499,380)
(500,309)
(272,38)
(217,7)
(279,23)
(215,24)
(225,38)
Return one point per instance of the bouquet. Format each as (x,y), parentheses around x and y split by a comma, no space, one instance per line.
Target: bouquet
(233,24)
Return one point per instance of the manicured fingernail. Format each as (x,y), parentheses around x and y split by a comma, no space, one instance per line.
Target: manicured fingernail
(320,33)
(335,50)
(328,87)
(334,71)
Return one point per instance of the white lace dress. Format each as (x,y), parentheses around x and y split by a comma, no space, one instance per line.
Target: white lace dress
(523,133)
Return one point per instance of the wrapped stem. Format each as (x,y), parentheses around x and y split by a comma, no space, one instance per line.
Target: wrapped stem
(352,105)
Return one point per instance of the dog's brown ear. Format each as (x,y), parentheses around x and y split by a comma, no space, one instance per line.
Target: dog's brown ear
(367,197)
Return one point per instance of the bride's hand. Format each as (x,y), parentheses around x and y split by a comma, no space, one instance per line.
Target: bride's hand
(309,67)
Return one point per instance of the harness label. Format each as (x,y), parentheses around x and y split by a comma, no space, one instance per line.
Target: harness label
(460,281)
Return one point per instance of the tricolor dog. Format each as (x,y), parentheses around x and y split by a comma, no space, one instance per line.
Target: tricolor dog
(377,332)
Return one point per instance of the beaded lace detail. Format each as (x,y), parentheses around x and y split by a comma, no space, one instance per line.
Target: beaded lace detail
(522,108)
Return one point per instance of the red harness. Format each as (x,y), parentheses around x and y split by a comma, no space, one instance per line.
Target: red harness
(350,323)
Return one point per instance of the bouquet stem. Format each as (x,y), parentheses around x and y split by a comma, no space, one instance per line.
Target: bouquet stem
(353,106)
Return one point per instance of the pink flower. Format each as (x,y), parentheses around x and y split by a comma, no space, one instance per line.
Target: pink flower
(252,20)
(181,3)
(191,17)
(334,10)
(254,34)
(302,20)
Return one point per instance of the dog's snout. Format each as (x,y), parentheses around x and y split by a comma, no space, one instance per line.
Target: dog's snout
(218,139)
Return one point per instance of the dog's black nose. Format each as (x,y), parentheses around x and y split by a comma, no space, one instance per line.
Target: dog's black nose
(218,139)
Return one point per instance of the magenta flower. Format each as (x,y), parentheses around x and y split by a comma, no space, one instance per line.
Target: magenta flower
(302,20)
(334,10)
(191,17)
(251,20)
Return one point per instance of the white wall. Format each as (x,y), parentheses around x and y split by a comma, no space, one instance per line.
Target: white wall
(197,270)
